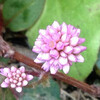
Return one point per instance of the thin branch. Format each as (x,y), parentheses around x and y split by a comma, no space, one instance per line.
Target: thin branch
(60,76)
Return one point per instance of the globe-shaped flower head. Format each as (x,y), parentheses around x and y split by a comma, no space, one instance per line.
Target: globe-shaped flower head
(15,78)
(58,46)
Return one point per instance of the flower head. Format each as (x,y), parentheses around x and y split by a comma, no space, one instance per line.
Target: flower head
(15,78)
(58,46)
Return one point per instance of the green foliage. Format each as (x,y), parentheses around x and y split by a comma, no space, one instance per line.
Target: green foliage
(42,93)
(21,14)
(6,94)
(84,14)
(98,61)
(2,1)
(4,60)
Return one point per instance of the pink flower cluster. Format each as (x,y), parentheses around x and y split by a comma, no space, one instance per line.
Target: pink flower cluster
(15,78)
(58,46)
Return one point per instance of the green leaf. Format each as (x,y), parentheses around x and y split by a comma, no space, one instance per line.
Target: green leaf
(21,14)
(4,60)
(98,61)
(84,14)
(42,93)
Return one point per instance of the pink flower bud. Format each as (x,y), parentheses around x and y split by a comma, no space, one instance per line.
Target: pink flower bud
(15,78)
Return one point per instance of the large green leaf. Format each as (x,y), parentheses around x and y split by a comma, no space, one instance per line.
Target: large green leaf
(84,14)
(21,14)
(42,93)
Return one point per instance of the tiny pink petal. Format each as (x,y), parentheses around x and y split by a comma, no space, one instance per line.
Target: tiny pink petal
(80,58)
(15,81)
(76,50)
(64,37)
(63,54)
(7,80)
(56,37)
(9,75)
(55,63)
(29,77)
(44,56)
(46,39)
(25,82)
(12,85)
(4,85)
(13,69)
(11,79)
(23,75)
(18,71)
(6,71)
(19,89)
(54,53)
(63,60)
(64,28)
(68,49)
(68,39)
(38,43)
(19,83)
(66,68)
(36,49)
(20,79)
(81,40)
(72,58)
(77,33)
(52,31)
(53,70)
(70,28)
(56,25)
(22,69)
(42,32)
(83,48)
(59,46)
(45,48)
(70,63)
(38,61)
(46,66)
(74,41)
(51,61)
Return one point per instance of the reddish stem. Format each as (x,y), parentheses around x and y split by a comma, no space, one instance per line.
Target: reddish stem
(6,51)
(60,76)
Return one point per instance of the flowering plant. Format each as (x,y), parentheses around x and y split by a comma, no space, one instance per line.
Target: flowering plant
(58,46)
(15,78)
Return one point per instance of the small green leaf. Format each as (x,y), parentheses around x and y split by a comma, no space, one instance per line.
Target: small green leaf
(98,61)
(21,14)
(42,93)
(83,14)
(4,60)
